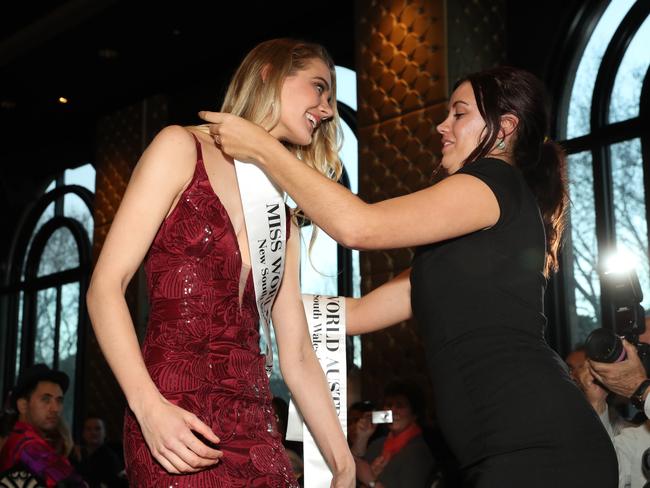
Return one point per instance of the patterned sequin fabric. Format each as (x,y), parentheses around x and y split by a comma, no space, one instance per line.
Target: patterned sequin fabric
(202,349)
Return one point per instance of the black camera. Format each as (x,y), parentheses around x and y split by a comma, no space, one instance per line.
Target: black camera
(604,345)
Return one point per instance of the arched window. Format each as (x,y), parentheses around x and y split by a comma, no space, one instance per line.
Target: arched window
(604,124)
(44,299)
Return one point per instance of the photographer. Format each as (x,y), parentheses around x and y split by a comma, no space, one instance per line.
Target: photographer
(595,393)
(629,379)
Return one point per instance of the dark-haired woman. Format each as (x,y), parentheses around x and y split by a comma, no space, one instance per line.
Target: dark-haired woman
(488,237)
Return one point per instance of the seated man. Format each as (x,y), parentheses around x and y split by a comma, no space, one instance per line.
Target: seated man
(38,399)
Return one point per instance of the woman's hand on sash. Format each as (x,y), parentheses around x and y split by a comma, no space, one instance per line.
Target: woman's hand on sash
(239,138)
(171,435)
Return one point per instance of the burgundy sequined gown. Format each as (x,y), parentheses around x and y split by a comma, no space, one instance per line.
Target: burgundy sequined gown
(202,348)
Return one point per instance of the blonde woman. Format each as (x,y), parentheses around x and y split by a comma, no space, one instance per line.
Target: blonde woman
(200,411)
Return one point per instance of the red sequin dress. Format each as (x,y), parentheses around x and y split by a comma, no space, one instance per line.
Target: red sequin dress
(202,348)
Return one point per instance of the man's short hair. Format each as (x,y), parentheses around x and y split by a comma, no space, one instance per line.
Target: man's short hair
(32,376)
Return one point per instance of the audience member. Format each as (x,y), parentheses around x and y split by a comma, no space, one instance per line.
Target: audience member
(356,411)
(38,399)
(95,461)
(402,458)
(627,378)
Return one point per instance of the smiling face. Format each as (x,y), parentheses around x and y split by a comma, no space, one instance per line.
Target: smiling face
(304,103)
(462,130)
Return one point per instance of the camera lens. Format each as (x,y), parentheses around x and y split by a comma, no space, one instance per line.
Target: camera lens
(604,346)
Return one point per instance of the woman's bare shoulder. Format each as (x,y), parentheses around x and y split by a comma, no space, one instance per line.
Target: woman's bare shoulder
(172,151)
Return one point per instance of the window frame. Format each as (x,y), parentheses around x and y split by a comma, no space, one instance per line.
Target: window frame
(25,254)
(598,142)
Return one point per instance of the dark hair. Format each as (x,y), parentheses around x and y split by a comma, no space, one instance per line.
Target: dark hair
(30,378)
(506,90)
(413,395)
(362,406)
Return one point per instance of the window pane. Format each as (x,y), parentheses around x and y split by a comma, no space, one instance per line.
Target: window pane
(582,257)
(69,322)
(629,208)
(19,335)
(583,86)
(47,214)
(68,341)
(629,79)
(45,326)
(82,176)
(60,253)
(75,208)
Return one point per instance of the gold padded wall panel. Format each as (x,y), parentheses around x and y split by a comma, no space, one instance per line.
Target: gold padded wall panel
(400,60)
(402,86)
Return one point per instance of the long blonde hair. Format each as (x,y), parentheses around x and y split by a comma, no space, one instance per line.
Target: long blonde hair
(254,94)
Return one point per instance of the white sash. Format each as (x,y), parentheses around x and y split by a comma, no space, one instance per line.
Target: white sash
(266,224)
(326,320)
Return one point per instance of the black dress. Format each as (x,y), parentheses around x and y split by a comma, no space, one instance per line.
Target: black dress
(504,399)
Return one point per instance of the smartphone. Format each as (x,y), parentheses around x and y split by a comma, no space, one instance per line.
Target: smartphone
(382,416)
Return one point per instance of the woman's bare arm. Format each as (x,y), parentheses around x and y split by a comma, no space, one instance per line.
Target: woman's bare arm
(302,372)
(458,205)
(157,181)
(386,305)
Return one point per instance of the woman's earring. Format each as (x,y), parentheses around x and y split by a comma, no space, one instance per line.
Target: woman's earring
(501,144)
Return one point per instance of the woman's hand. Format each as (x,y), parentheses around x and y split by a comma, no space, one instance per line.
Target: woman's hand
(170,435)
(365,428)
(239,138)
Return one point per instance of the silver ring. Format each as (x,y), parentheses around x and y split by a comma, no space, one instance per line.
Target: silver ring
(217,139)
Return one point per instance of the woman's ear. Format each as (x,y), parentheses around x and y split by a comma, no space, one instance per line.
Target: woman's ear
(509,123)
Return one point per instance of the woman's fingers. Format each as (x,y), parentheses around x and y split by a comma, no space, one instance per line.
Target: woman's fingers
(179,464)
(174,437)
(212,117)
(191,461)
(169,467)
(197,425)
(200,449)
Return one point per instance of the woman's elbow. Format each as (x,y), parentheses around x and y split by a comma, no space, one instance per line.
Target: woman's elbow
(354,236)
